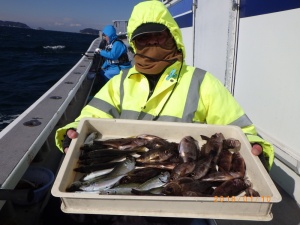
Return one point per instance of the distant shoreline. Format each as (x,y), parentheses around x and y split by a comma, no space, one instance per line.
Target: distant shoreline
(14,24)
(25,26)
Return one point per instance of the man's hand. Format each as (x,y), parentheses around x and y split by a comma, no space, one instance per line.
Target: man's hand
(71,134)
(97,50)
(256,149)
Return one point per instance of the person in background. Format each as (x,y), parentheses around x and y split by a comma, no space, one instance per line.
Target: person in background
(114,53)
(162,87)
(98,60)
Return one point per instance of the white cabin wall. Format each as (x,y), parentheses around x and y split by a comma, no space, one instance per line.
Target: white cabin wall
(267,86)
(212,36)
(268,75)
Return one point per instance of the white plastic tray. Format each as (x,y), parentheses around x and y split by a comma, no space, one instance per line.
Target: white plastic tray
(236,208)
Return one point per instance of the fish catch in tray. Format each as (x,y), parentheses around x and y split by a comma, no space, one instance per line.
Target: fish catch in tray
(150,165)
(104,181)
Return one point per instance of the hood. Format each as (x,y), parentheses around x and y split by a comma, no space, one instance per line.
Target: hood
(154,12)
(110,31)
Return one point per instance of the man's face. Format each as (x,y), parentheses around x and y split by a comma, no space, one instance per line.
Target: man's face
(106,38)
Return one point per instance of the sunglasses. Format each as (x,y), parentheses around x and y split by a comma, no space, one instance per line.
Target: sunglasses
(152,38)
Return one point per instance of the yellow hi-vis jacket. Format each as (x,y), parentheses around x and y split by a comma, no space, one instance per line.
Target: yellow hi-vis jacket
(182,94)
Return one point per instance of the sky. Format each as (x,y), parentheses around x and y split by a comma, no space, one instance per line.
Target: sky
(66,15)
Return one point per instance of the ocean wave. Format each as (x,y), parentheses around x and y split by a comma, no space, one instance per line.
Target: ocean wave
(54,47)
(29,66)
(6,119)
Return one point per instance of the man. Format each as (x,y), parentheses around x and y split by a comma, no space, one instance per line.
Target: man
(161,87)
(114,53)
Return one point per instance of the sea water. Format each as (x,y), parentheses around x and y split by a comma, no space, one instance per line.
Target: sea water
(31,61)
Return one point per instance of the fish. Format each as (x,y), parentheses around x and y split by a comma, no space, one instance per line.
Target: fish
(183,180)
(231,187)
(149,137)
(107,181)
(161,165)
(122,189)
(196,186)
(150,165)
(172,189)
(220,176)
(116,143)
(87,148)
(153,141)
(158,143)
(88,143)
(186,186)
(130,142)
(182,170)
(251,192)
(214,143)
(155,182)
(100,183)
(90,139)
(140,175)
(188,149)
(205,148)
(123,167)
(195,194)
(238,164)
(202,166)
(95,166)
(233,144)
(104,159)
(95,174)
(157,155)
(175,158)
(154,191)
(100,153)
(225,160)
